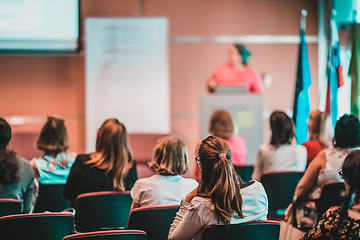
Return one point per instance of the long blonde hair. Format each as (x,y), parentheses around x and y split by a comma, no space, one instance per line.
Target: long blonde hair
(112,152)
(321,128)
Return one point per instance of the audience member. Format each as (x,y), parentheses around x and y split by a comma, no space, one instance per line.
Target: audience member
(320,134)
(167,188)
(282,153)
(326,227)
(110,167)
(16,174)
(221,197)
(221,125)
(54,166)
(325,166)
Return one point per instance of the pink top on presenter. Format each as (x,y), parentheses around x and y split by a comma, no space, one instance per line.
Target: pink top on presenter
(229,75)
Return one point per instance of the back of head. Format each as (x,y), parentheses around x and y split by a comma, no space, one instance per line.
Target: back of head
(221,124)
(348,170)
(8,161)
(53,137)
(170,157)
(112,151)
(282,129)
(320,127)
(244,52)
(347,132)
(219,180)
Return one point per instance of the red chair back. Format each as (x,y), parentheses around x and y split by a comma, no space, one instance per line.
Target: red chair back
(9,206)
(102,210)
(109,235)
(255,230)
(155,221)
(39,226)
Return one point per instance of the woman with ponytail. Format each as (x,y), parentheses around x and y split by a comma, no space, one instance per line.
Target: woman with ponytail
(16,174)
(221,197)
(109,168)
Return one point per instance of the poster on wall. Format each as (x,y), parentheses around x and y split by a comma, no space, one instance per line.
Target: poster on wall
(127,75)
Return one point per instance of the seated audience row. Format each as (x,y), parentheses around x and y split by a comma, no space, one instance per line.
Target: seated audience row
(325,166)
(328,225)
(282,153)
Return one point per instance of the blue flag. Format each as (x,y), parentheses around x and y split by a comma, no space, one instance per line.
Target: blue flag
(301,101)
(334,74)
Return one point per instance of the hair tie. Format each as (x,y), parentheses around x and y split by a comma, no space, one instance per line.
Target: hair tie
(222,155)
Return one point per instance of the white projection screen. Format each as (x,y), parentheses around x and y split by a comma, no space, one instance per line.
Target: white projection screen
(127,75)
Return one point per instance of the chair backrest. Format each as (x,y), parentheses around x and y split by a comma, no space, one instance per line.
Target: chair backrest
(39,226)
(155,221)
(9,206)
(109,235)
(330,196)
(245,172)
(280,188)
(102,210)
(51,198)
(256,230)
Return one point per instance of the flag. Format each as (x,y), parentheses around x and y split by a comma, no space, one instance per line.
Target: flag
(301,101)
(334,74)
(354,72)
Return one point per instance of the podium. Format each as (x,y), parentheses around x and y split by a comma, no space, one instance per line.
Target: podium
(247,113)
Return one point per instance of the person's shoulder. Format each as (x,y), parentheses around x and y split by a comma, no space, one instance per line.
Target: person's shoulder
(335,210)
(201,204)
(301,148)
(190,181)
(82,158)
(265,147)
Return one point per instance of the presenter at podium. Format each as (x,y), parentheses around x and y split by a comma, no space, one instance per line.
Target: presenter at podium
(235,72)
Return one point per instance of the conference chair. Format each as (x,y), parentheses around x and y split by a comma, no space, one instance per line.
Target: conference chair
(155,221)
(109,235)
(9,206)
(245,172)
(280,188)
(255,230)
(330,196)
(51,198)
(39,226)
(102,210)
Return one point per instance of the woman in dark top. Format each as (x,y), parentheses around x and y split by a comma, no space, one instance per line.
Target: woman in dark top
(109,168)
(329,222)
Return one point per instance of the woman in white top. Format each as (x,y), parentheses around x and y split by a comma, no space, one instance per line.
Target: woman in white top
(218,199)
(326,165)
(168,188)
(282,153)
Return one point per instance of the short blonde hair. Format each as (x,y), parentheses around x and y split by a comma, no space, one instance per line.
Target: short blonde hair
(221,124)
(170,157)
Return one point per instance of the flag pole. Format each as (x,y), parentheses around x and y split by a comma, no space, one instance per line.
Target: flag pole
(303,19)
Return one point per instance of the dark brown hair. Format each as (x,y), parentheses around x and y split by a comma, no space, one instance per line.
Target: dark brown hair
(347,132)
(170,157)
(282,129)
(53,137)
(8,162)
(221,124)
(219,180)
(112,151)
(348,170)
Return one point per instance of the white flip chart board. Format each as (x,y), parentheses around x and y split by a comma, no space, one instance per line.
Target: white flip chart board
(127,75)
